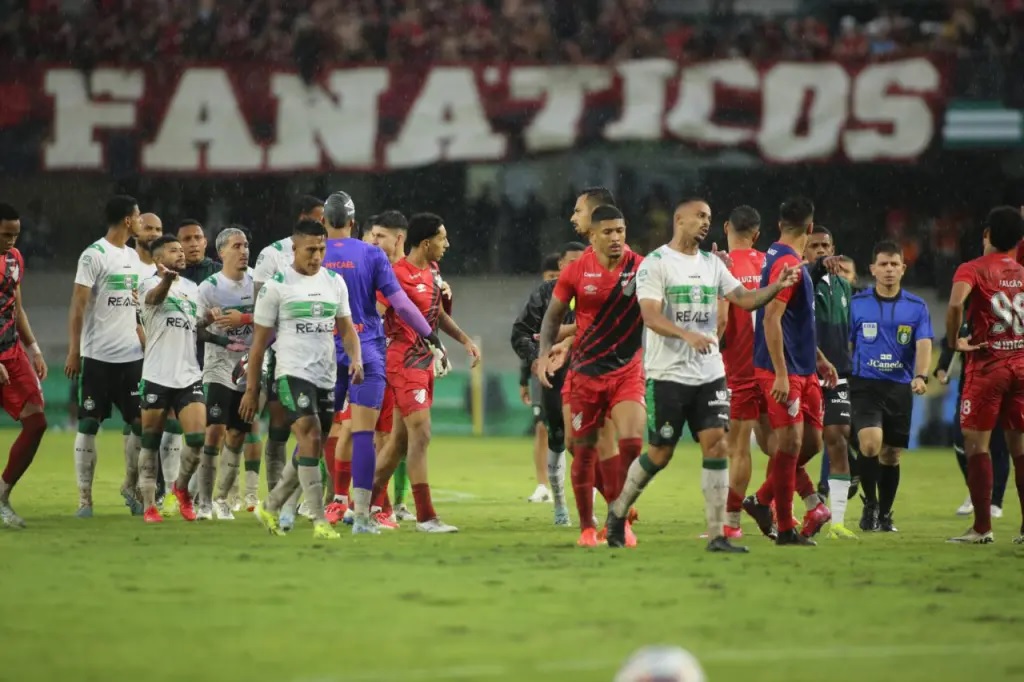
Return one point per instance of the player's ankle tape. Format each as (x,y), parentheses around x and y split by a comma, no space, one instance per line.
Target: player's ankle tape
(210,450)
(88,426)
(195,440)
(172,426)
(279,434)
(151,440)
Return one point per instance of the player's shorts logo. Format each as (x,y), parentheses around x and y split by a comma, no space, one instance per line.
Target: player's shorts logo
(577,421)
(793,408)
(89,404)
(842,395)
(965,407)
(152,398)
(420,395)
(666,431)
(303,401)
(870,330)
(215,411)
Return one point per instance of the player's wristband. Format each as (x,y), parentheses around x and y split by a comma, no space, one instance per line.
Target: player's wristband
(247,318)
(36,350)
(922,377)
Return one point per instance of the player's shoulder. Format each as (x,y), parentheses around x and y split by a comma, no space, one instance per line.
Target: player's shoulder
(211,281)
(98,247)
(277,280)
(281,245)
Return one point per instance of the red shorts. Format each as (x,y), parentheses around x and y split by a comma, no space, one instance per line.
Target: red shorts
(384,419)
(993,394)
(592,398)
(746,402)
(566,388)
(23,387)
(804,405)
(413,389)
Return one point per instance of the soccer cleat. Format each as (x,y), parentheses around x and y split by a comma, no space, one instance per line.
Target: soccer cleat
(762,515)
(854,486)
(364,525)
(540,495)
(204,512)
(268,519)
(435,525)
(334,512)
(633,516)
(133,503)
(965,509)
(251,500)
(185,506)
(1019,540)
(350,516)
(9,517)
(562,517)
(222,511)
(152,515)
(973,537)
(287,518)
(791,537)
(732,532)
(233,502)
(869,516)
(997,512)
(588,538)
(885,524)
(382,519)
(630,535)
(402,513)
(84,511)
(838,532)
(815,519)
(304,510)
(614,531)
(323,531)
(722,544)
(169,506)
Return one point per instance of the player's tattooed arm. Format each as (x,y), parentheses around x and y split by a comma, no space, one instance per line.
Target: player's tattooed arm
(158,294)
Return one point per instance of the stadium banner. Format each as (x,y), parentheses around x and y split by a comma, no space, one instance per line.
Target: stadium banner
(248,119)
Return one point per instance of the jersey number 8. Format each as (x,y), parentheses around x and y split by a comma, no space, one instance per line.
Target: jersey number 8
(1010,313)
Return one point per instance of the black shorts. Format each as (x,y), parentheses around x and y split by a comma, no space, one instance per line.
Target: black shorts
(157,397)
(837,404)
(670,405)
(301,398)
(268,380)
(882,404)
(104,385)
(222,405)
(537,400)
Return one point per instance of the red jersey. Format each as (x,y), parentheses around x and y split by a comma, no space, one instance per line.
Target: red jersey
(423,286)
(10,279)
(738,342)
(995,309)
(609,327)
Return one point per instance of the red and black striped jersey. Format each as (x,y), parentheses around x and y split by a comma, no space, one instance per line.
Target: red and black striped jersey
(10,280)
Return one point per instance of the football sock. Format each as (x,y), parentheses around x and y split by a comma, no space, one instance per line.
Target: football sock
(889,483)
(286,485)
(979,481)
(342,479)
(252,477)
(584,463)
(868,478)
(207,472)
(784,467)
(228,473)
(598,480)
(147,474)
(190,457)
(401,478)
(312,486)
(132,446)
(838,490)
(363,465)
(85,465)
(714,483)
(23,451)
(556,476)
(424,504)
(274,454)
(612,477)
(629,451)
(733,508)
(171,443)
(640,473)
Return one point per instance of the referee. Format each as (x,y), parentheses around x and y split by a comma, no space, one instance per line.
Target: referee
(891,333)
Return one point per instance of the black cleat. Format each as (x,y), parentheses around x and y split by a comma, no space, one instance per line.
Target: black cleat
(722,544)
(791,537)
(854,485)
(762,515)
(885,524)
(616,530)
(869,517)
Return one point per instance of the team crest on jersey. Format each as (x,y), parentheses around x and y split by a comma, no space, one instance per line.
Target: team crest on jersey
(903,334)
(628,282)
(666,430)
(870,330)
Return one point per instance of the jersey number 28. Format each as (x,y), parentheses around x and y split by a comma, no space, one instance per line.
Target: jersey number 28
(1010,312)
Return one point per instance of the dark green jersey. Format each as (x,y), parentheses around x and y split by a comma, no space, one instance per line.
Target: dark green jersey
(832,296)
(201,270)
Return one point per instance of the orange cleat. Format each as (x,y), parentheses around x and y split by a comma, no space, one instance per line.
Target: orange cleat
(815,519)
(152,515)
(335,512)
(384,520)
(185,508)
(630,535)
(588,538)
(732,532)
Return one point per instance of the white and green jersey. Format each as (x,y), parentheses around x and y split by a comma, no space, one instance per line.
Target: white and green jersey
(171,329)
(274,259)
(688,288)
(145,271)
(220,291)
(302,309)
(109,326)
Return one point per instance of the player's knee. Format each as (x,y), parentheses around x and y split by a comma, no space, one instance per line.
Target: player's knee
(88,426)
(172,426)
(278,434)
(34,424)
(556,439)
(151,440)
(195,440)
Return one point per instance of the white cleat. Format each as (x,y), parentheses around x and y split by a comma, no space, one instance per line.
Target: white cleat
(222,511)
(304,510)
(204,512)
(562,517)
(9,517)
(967,508)
(234,503)
(402,513)
(997,512)
(973,537)
(540,495)
(251,500)
(435,525)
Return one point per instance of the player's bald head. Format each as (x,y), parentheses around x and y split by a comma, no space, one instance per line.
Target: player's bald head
(152,219)
(151,228)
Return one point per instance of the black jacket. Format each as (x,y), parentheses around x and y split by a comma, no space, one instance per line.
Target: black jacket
(527,325)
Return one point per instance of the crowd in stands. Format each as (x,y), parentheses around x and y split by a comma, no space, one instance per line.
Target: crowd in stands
(312,32)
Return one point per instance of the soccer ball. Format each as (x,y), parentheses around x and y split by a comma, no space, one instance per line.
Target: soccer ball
(661,664)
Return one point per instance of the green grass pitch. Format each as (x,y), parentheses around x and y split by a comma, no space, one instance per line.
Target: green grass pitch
(508,598)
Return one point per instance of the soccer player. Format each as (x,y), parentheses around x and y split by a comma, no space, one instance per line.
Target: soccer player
(832,296)
(994,355)
(152,228)
(303,304)
(366,271)
(678,287)
(412,363)
(748,411)
(105,348)
(786,360)
(605,371)
(228,295)
(525,330)
(20,373)
(171,377)
(891,333)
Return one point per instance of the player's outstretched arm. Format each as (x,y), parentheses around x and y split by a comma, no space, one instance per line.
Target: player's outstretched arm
(28,338)
(759,298)
(158,294)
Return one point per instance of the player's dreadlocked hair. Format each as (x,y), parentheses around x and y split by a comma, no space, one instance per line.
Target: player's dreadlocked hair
(1005,226)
